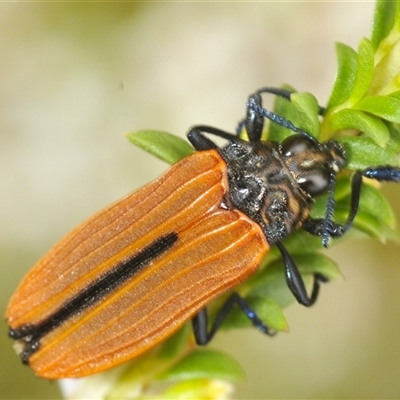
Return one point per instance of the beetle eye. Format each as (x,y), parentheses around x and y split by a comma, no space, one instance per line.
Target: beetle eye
(315,182)
(295,144)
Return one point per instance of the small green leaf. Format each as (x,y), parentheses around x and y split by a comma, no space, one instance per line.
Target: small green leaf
(343,186)
(394,141)
(204,363)
(369,224)
(375,203)
(387,69)
(307,106)
(165,146)
(273,285)
(309,263)
(317,263)
(206,389)
(395,95)
(371,126)
(365,71)
(384,107)
(302,242)
(345,76)
(384,17)
(286,109)
(375,215)
(301,111)
(362,152)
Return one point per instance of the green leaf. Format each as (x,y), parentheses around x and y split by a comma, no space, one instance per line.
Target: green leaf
(387,69)
(394,141)
(301,111)
(206,389)
(286,109)
(375,203)
(384,107)
(302,242)
(395,95)
(343,186)
(367,223)
(375,215)
(204,363)
(384,18)
(273,284)
(307,107)
(345,76)
(371,126)
(364,72)
(362,152)
(309,264)
(165,146)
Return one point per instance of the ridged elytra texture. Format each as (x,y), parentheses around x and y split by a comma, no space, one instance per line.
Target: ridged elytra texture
(216,249)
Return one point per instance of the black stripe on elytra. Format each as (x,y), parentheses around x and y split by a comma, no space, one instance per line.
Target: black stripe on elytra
(31,334)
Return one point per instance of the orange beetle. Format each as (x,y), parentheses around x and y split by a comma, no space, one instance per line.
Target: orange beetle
(132,274)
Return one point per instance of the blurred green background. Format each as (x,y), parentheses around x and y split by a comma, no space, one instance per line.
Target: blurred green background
(75,76)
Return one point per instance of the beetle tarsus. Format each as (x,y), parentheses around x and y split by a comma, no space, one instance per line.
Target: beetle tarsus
(200,320)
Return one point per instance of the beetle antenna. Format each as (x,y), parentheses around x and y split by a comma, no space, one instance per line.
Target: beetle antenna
(330,209)
(279,120)
(285,94)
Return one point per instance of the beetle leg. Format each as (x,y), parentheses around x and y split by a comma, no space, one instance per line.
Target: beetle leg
(200,320)
(317,226)
(295,281)
(201,142)
(386,173)
(254,121)
(380,173)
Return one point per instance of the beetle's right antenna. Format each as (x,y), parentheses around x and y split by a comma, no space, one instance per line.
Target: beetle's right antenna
(254,104)
(329,210)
